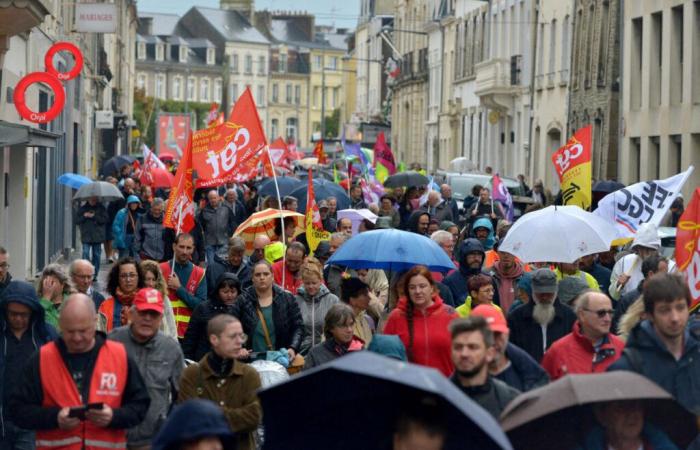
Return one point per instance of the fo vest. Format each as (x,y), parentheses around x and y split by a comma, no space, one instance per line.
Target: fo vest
(59,390)
(181,311)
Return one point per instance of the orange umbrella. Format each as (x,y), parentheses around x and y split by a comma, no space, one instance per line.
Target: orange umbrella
(264,222)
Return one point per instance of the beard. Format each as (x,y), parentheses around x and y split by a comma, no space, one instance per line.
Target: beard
(473,371)
(543,313)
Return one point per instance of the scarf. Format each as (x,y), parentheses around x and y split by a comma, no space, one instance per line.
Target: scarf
(125,300)
(220,366)
(506,284)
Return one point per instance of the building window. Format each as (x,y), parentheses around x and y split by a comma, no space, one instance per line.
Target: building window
(262,68)
(636,65)
(234,92)
(191,88)
(334,62)
(160,86)
(141,82)
(183,53)
(297,95)
(283,63)
(292,128)
(261,95)
(275,93)
(177,88)
(141,50)
(211,56)
(204,90)
(318,62)
(218,90)
(234,63)
(288,97)
(248,64)
(336,94)
(552,52)
(565,50)
(159,52)
(603,42)
(274,129)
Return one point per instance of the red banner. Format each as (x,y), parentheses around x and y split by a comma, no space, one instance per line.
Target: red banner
(687,245)
(573,165)
(230,152)
(173,131)
(180,212)
(279,153)
(314,226)
(319,153)
(213,116)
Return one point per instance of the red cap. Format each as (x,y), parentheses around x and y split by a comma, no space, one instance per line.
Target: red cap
(149,299)
(494,317)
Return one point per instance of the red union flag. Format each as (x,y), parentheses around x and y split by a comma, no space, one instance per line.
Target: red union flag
(231,151)
(687,249)
(277,157)
(180,212)
(573,165)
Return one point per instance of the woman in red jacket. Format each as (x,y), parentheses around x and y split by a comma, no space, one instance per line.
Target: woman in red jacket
(421,319)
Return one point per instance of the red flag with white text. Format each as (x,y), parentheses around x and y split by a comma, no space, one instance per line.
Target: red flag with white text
(687,248)
(213,116)
(180,212)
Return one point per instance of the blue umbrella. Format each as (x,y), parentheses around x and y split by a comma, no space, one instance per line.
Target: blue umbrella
(286,184)
(322,190)
(357,400)
(391,249)
(73,180)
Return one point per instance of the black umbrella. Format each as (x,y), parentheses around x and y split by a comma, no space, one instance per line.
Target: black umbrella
(607,186)
(409,178)
(354,401)
(286,186)
(114,164)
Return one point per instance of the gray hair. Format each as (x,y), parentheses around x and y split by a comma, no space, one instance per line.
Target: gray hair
(74,265)
(441,236)
(237,244)
(339,235)
(232,191)
(584,298)
(57,271)
(158,202)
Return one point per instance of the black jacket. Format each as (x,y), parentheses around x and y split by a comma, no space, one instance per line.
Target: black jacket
(412,223)
(527,334)
(26,404)
(196,342)
(457,280)
(92,229)
(244,273)
(286,316)
(493,396)
(523,373)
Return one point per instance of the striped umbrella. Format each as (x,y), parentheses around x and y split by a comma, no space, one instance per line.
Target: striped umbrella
(264,222)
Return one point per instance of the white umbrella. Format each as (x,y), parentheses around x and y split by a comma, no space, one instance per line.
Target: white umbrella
(558,234)
(356,216)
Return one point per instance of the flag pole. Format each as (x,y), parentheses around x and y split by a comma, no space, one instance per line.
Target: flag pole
(279,205)
(177,231)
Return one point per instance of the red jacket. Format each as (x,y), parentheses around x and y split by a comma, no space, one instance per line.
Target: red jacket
(431,339)
(574,353)
(291,284)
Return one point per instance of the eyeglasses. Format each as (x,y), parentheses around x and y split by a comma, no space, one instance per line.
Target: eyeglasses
(125,276)
(242,336)
(601,312)
(4,266)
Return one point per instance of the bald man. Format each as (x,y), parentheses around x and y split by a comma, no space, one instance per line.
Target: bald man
(259,244)
(80,387)
(437,208)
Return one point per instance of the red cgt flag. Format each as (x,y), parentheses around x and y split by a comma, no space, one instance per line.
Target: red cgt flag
(687,250)
(278,157)
(232,151)
(319,153)
(213,116)
(180,212)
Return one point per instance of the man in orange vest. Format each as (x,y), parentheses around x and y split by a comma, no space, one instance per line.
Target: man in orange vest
(80,391)
(187,287)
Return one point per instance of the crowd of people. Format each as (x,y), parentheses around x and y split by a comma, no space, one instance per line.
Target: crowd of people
(99,363)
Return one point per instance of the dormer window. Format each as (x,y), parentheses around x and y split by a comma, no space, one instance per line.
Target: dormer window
(211,56)
(141,50)
(159,52)
(183,53)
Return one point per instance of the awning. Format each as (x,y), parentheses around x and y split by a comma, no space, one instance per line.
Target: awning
(16,134)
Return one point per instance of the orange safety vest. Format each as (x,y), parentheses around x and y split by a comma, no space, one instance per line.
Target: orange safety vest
(107,310)
(106,386)
(181,311)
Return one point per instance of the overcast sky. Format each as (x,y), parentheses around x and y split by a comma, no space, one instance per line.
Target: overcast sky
(328,12)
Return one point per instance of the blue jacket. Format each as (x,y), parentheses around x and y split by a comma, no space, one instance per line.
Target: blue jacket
(485,222)
(523,373)
(119,223)
(657,439)
(648,356)
(41,332)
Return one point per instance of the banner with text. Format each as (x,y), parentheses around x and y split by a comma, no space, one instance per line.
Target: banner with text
(179,214)
(314,226)
(573,165)
(688,246)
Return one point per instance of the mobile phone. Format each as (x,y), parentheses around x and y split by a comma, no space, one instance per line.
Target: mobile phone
(78,412)
(95,405)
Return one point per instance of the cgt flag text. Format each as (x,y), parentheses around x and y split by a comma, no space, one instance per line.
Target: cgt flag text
(573,165)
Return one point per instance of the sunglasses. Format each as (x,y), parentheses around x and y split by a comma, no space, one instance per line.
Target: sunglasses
(601,312)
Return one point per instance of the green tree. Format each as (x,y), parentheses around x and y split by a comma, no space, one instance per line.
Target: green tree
(332,124)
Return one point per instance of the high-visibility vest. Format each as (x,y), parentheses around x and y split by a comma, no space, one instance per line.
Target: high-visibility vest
(106,386)
(181,310)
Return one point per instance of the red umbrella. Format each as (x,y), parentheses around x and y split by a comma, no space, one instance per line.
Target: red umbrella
(157,178)
(166,155)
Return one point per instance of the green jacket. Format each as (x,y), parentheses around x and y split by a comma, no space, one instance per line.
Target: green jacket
(52,311)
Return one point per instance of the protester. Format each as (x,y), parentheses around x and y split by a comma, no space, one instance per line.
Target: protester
(345,226)
(536,325)
(92,218)
(159,358)
(486,206)
(124,227)
(125,278)
(329,223)
(662,347)
(269,314)
(186,284)
(506,272)
(541,195)
(452,228)
(222,296)
(54,288)
(237,263)
(229,383)
(446,192)
(409,203)
(81,368)
(472,351)
(149,242)
(471,254)
(438,209)
(622,425)
(420,425)
(24,330)
(572,270)
(5,275)
(314,301)
(355,293)
(421,320)
(627,273)
(339,340)
(81,273)
(650,266)
(195,425)
(418,223)
(481,292)
(510,364)
(387,209)
(590,347)
(323,252)
(290,227)
(237,208)
(356,199)
(570,288)
(378,285)
(153,278)
(287,272)
(471,200)
(218,224)
(259,244)
(332,207)
(446,241)
(333,273)
(482,230)
(589,264)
